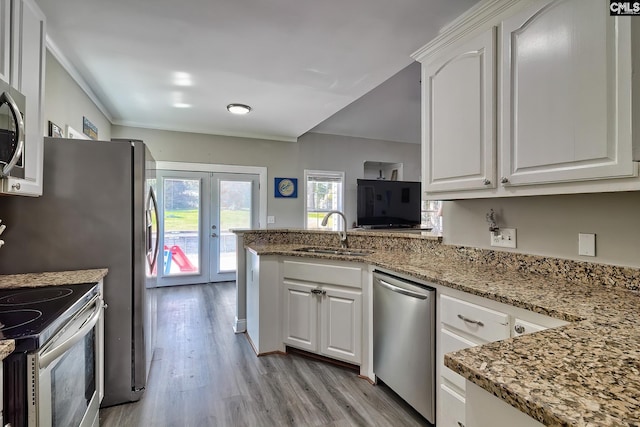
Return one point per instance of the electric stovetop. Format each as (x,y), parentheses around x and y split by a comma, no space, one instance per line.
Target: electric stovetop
(31,316)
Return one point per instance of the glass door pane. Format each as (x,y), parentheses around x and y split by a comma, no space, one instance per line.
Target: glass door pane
(181,226)
(235,212)
(181,249)
(234,198)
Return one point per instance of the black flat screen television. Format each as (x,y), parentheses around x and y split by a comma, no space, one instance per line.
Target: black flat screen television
(388,203)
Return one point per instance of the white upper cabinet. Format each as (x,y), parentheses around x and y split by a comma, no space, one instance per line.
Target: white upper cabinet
(27,68)
(530,97)
(566,86)
(458,98)
(5,39)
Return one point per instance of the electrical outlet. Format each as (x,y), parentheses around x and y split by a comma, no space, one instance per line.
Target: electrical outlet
(586,244)
(504,238)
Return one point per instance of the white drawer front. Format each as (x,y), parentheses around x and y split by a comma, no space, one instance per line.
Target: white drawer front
(323,273)
(452,411)
(486,324)
(451,342)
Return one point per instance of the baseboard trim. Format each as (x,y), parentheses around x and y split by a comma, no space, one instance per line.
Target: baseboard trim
(240,326)
(303,353)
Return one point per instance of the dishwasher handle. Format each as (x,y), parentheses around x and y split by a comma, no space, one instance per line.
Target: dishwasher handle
(400,290)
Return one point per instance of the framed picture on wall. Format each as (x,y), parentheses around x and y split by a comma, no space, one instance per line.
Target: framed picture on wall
(286,188)
(55,130)
(74,134)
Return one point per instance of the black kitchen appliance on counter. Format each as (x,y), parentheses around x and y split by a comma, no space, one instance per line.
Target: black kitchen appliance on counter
(53,376)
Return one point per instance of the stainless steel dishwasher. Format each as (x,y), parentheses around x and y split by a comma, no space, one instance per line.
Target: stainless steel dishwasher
(404,340)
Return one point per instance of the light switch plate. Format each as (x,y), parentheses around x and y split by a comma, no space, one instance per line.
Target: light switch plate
(504,238)
(586,244)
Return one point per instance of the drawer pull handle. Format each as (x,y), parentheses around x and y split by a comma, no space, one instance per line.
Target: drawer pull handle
(318,292)
(475,322)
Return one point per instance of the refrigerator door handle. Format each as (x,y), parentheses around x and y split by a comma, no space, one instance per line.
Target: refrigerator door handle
(6,98)
(154,204)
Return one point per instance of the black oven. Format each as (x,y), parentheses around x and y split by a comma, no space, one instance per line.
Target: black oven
(54,377)
(12,107)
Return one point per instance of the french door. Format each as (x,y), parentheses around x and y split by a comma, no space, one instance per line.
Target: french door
(234,199)
(198,212)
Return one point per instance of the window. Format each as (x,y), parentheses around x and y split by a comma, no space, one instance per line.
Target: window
(324,192)
(432,215)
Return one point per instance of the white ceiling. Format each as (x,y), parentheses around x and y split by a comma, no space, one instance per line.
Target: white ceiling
(390,112)
(296,62)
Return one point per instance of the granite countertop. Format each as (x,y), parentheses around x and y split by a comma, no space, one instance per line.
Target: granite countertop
(585,373)
(6,348)
(57,278)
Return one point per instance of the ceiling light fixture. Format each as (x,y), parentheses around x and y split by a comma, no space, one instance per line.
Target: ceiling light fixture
(240,109)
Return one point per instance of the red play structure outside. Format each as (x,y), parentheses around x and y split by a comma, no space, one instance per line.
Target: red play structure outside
(175,254)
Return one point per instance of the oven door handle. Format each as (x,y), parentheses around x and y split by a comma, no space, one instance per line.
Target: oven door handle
(50,355)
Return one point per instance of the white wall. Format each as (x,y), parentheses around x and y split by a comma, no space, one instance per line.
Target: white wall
(66,103)
(549,225)
(282,159)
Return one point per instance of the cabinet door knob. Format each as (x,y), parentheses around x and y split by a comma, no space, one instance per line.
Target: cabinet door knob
(504,180)
(519,329)
(16,186)
(486,182)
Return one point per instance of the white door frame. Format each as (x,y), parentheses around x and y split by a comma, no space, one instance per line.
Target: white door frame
(215,168)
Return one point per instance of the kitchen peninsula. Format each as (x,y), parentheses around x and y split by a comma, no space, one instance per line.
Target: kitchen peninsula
(585,372)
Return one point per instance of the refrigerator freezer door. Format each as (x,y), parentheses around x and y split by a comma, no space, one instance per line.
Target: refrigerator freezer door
(91,215)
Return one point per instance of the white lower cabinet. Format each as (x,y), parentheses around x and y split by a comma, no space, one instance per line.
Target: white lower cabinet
(263,303)
(453,414)
(482,409)
(450,342)
(300,316)
(320,317)
(341,327)
(465,321)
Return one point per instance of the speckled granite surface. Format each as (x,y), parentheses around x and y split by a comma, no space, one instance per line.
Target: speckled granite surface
(584,374)
(34,280)
(6,348)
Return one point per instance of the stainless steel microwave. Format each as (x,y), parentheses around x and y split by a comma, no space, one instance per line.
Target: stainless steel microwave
(12,106)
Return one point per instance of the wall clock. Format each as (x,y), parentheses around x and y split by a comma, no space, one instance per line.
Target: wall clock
(286,187)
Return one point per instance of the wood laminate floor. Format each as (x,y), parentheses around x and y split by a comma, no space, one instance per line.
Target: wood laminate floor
(203,374)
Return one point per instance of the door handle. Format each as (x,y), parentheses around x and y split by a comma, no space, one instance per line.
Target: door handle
(214,235)
(17,117)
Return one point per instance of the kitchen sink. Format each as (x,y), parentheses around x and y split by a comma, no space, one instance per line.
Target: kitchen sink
(335,251)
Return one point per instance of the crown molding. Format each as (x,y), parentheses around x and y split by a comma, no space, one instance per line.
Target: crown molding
(479,16)
(75,75)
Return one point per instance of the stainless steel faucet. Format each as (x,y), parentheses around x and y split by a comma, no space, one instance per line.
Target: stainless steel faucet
(341,233)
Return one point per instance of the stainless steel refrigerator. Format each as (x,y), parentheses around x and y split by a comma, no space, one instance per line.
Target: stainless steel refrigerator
(97,210)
